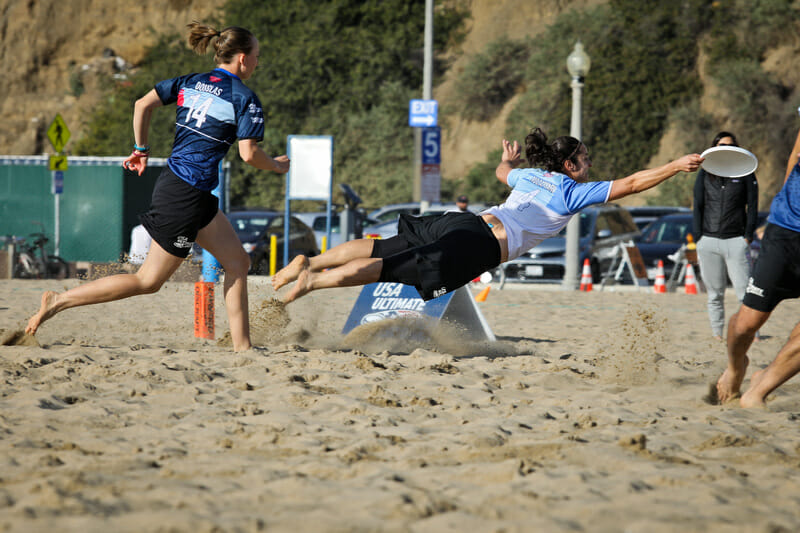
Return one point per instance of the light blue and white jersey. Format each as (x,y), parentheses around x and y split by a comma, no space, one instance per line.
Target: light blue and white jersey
(541,203)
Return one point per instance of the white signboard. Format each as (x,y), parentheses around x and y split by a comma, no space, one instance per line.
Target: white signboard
(311,170)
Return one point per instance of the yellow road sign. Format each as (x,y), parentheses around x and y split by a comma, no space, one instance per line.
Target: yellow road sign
(58,133)
(58,162)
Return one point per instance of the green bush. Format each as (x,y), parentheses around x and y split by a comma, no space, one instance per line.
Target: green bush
(481,184)
(643,65)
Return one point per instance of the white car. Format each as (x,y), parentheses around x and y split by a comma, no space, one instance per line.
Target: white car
(389,213)
(389,229)
(317,221)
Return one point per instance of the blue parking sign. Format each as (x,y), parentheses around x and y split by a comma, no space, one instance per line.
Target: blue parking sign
(431,146)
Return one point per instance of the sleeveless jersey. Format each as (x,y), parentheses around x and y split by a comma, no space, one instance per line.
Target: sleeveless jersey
(214,109)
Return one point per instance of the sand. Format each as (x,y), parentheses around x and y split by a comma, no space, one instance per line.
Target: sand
(587,414)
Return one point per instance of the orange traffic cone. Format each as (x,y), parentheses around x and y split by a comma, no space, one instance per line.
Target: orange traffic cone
(586,276)
(661,281)
(481,297)
(691,284)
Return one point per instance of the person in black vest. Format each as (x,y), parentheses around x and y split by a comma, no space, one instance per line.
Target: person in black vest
(725,217)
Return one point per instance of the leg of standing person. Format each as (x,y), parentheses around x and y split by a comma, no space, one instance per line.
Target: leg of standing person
(785,365)
(336,256)
(221,241)
(157,268)
(715,277)
(737,264)
(741,332)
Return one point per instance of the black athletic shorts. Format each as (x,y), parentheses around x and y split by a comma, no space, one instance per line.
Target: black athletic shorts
(776,275)
(438,254)
(177,212)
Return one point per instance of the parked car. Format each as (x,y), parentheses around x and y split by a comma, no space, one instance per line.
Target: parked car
(255,229)
(602,228)
(318,221)
(645,214)
(390,213)
(389,228)
(662,238)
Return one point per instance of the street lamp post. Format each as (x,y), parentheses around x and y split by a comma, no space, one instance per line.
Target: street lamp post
(578,66)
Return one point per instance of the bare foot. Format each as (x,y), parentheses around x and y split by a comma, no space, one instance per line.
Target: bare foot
(46,311)
(302,287)
(750,398)
(290,272)
(730,382)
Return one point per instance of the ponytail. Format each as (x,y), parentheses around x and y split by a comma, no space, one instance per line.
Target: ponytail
(550,157)
(229,42)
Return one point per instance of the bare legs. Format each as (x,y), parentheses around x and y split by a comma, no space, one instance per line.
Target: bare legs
(221,241)
(356,272)
(218,238)
(350,264)
(785,365)
(742,330)
(156,269)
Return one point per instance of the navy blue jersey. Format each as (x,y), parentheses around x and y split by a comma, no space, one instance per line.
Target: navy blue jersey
(214,109)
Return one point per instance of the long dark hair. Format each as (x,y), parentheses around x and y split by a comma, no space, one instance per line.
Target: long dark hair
(230,41)
(550,156)
(721,135)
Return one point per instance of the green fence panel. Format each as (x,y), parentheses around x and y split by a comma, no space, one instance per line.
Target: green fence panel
(26,203)
(98,208)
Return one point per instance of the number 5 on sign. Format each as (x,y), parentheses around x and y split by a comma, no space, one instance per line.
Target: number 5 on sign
(431,146)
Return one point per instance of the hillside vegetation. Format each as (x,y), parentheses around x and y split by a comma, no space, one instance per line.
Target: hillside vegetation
(646,78)
(665,77)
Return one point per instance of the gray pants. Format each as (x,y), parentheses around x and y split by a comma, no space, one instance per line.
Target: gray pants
(720,259)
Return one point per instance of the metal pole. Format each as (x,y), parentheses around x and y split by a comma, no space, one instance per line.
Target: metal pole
(57,233)
(571,256)
(427,94)
(427,68)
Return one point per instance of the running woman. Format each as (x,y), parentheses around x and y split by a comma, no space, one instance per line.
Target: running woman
(214,109)
(438,254)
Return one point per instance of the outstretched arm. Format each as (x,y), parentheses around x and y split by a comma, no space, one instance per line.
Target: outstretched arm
(142,112)
(252,154)
(647,179)
(509,160)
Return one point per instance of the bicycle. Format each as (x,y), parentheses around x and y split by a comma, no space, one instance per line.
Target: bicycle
(31,260)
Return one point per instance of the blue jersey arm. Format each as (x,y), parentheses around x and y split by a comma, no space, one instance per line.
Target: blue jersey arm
(580,195)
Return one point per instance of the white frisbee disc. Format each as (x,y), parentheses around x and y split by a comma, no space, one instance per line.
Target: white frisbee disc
(729,161)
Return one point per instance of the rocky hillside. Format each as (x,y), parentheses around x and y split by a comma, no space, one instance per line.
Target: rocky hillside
(53,52)
(466,143)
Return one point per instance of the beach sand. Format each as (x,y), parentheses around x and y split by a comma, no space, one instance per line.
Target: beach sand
(587,414)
